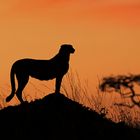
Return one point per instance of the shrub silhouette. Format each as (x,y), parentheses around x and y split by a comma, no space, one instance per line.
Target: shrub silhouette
(116,83)
(56,67)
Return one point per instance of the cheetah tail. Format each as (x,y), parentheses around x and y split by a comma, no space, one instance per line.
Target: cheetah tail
(12,85)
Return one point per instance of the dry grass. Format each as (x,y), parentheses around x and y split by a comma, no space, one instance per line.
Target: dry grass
(103,103)
(76,89)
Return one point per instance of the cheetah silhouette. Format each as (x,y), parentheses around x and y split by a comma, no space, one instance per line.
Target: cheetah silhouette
(55,67)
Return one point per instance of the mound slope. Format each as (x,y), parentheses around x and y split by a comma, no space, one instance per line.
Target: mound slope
(58,117)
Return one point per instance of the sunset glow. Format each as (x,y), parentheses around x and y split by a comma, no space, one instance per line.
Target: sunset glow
(105,34)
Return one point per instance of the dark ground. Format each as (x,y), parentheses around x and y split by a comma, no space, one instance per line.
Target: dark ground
(55,117)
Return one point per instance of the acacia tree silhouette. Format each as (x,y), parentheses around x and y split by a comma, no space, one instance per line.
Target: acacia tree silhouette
(116,83)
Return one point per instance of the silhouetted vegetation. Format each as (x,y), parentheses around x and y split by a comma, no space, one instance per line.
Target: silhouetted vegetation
(57,117)
(104,104)
(77,90)
(121,84)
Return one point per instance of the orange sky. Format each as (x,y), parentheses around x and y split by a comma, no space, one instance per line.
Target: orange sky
(105,34)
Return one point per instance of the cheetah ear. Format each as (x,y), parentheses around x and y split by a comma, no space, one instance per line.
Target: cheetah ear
(62,48)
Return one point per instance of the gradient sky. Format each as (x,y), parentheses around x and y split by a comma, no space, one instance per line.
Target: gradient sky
(105,34)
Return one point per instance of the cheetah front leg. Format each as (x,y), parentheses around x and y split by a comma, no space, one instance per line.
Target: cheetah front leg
(58,84)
